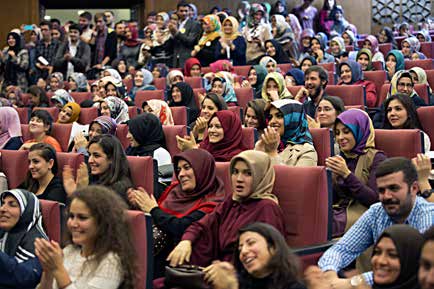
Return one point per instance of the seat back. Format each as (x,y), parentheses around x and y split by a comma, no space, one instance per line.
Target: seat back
(61,132)
(361,107)
(306,203)
(133,111)
(350,94)
(25,98)
(427,48)
(250,136)
(377,65)
(87,115)
(194,82)
(196,92)
(323,141)
(244,95)
(222,171)
(79,97)
(242,70)
(378,77)
(160,83)
(399,142)
(170,133)
(422,91)
(53,111)
(294,89)
(25,132)
(14,164)
(330,67)
(141,226)
(23,114)
(284,67)
(385,48)
(238,110)
(430,76)
(121,134)
(425,64)
(73,160)
(426,117)
(143,173)
(51,219)
(180,115)
(382,95)
(144,95)
(128,84)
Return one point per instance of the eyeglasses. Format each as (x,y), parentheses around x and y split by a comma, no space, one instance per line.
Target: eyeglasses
(403,85)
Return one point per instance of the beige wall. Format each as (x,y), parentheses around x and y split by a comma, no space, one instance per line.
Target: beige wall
(357,12)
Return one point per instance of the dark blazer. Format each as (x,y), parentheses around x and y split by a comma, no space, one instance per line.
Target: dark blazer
(81,61)
(184,42)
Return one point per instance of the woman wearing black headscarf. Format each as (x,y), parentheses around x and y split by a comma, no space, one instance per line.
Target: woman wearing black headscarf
(402,242)
(15,61)
(182,94)
(275,50)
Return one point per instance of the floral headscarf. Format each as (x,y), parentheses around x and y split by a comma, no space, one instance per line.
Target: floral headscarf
(118,109)
(215,25)
(62,96)
(228,89)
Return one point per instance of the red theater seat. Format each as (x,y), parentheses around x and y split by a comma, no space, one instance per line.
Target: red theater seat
(244,95)
(51,219)
(399,142)
(87,115)
(79,97)
(427,48)
(430,76)
(180,115)
(194,82)
(249,138)
(385,48)
(242,70)
(377,65)
(222,171)
(323,142)
(24,114)
(170,133)
(53,111)
(73,160)
(133,111)
(121,134)
(425,64)
(378,77)
(426,117)
(160,83)
(62,132)
(14,164)
(142,172)
(144,95)
(350,94)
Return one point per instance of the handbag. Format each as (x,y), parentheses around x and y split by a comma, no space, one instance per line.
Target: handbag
(185,275)
(160,239)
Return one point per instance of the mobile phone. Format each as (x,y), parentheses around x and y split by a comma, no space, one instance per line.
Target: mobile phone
(28,27)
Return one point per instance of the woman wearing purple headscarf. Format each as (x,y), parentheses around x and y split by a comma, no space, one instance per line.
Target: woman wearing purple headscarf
(371,43)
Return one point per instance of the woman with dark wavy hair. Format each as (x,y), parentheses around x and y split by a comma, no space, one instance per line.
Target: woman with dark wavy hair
(262,259)
(100,251)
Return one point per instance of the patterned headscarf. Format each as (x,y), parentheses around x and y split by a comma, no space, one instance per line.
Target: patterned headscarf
(108,124)
(171,76)
(228,89)
(295,122)
(278,78)
(118,109)
(62,96)
(394,82)
(162,110)
(59,77)
(425,34)
(215,25)
(340,42)
(80,80)
(265,60)
(360,125)
(414,43)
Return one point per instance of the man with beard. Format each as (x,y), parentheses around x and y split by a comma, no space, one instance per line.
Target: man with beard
(315,82)
(84,20)
(110,19)
(46,48)
(398,183)
(73,55)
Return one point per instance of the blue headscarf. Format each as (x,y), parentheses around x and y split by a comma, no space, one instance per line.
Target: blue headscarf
(298,75)
(356,70)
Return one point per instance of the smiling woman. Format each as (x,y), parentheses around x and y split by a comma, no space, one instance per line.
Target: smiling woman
(40,127)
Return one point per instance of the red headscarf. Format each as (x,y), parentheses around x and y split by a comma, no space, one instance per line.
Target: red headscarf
(189,64)
(132,42)
(230,145)
(209,190)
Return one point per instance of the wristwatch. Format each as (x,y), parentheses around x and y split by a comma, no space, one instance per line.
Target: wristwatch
(426,193)
(356,280)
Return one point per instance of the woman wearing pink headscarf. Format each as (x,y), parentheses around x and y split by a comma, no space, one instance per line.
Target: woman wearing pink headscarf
(131,48)
(371,43)
(10,129)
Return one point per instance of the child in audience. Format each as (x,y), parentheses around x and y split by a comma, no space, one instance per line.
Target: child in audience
(40,127)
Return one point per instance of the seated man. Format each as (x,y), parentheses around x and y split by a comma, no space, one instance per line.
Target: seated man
(398,184)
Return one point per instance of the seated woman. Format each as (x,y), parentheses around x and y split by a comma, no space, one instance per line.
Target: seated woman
(160,70)
(160,109)
(277,269)
(386,36)
(255,80)
(232,44)
(10,129)
(103,256)
(349,38)
(328,109)
(394,63)
(420,77)
(22,212)
(294,77)
(319,47)
(371,43)
(351,73)
(269,64)
(402,82)
(287,139)
(55,81)
(401,113)
(255,115)
(192,67)
(224,138)
(305,42)
(38,97)
(307,62)
(194,194)
(100,125)
(108,167)
(284,35)
(14,95)
(274,87)
(60,98)
(182,94)
(109,86)
(115,108)
(210,104)
(78,82)
(275,51)
(355,187)
(222,86)
(214,237)
(40,127)
(207,49)
(364,58)
(41,177)
(142,81)
(174,76)
(337,47)
(69,113)
(423,36)
(146,137)
(410,49)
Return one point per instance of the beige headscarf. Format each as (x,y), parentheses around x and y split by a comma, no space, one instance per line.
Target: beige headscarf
(262,173)
(235,33)
(162,110)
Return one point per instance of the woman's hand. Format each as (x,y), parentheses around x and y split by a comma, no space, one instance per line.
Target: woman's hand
(338,166)
(69,183)
(80,141)
(313,123)
(27,146)
(82,175)
(390,67)
(273,94)
(50,254)
(186,142)
(245,83)
(221,275)
(271,141)
(320,55)
(302,93)
(180,254)
(142,199)
(422,163)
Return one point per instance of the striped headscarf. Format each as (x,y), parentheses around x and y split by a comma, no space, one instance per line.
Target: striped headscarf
(108,124)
